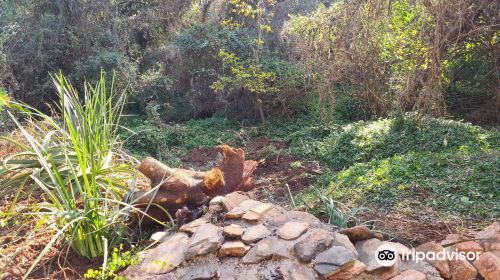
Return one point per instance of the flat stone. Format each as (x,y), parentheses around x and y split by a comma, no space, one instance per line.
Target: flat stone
(410,274)
(359,233)
(313,244)
(255,233)
(257,213)
(342,240)
(489,234)
(299,272)
(233,199)
(206,239)
(234,249)
(488,266)
(441,265)
(248,204)
(366,250)
(159,236)
(261,251)
(235,213)
(233,231)
(292,230)
(492,247)
(251,217)
(462,270)
(468,246)
(165,257)
(201,271)
(347,272)
(426,268)
(281,219)
(333,260)
(270,247)
(191,227)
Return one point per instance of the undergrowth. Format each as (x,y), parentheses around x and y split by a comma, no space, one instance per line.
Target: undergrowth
(447,165)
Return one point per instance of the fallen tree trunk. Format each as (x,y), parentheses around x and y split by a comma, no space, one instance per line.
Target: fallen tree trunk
(187,189)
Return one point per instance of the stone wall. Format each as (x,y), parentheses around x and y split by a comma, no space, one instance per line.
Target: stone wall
(240,238)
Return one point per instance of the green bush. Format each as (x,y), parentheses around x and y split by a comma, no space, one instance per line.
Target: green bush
(72,159)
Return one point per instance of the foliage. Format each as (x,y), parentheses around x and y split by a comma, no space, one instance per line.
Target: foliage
(400,53)
(462,182)
(338,214)
(119,260)
(73,159)
(244,77)
(340,147)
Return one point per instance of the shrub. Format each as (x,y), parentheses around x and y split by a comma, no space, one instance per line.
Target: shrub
(73,159)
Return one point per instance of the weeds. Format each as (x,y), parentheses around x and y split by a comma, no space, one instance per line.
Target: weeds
(338,213)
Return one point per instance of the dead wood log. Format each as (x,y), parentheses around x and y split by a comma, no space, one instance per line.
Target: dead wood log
(178,188)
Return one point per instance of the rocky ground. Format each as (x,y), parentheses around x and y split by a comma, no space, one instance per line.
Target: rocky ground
(241,238)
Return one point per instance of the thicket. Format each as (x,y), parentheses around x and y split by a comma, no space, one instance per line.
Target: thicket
(338,59)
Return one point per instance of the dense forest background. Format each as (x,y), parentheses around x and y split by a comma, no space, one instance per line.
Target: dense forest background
(382,113)
(185,59)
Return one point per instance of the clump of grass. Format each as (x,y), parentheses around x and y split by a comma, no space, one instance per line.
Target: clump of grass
(73,159)
(338,213)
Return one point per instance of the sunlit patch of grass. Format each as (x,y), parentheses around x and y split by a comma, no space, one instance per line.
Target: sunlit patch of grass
(462,183)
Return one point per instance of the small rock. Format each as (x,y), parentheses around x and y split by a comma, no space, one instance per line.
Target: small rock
(299,272)
(233,199)
(348,272)
(468,246)
(281,219)
(462,270)
(234,248)
(206,239)
(314,244)
(261,251)
(256,213)
(488,266)
(426,268)
(164,258)
(410,275)
(333,260)
(159,236)
(441,265)
(192,226)
(342,240)
(292,230)
(218,200)
(493,248)
(359,233)
(270,247)
(201,271)
(233,231)
(489,234)
(251,217)
(235,213)
(255,233)
(366,250)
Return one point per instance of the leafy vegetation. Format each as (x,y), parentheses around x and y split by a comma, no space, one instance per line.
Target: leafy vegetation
(376,93)
(73,159)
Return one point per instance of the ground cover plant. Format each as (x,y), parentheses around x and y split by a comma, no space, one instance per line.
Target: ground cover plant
(72,160)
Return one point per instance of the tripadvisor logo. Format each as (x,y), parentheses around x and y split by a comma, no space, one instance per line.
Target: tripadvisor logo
(386,255)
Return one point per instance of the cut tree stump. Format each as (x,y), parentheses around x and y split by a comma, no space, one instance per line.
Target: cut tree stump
(187,190)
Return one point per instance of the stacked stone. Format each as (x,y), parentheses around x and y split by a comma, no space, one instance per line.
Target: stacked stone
(240,238)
